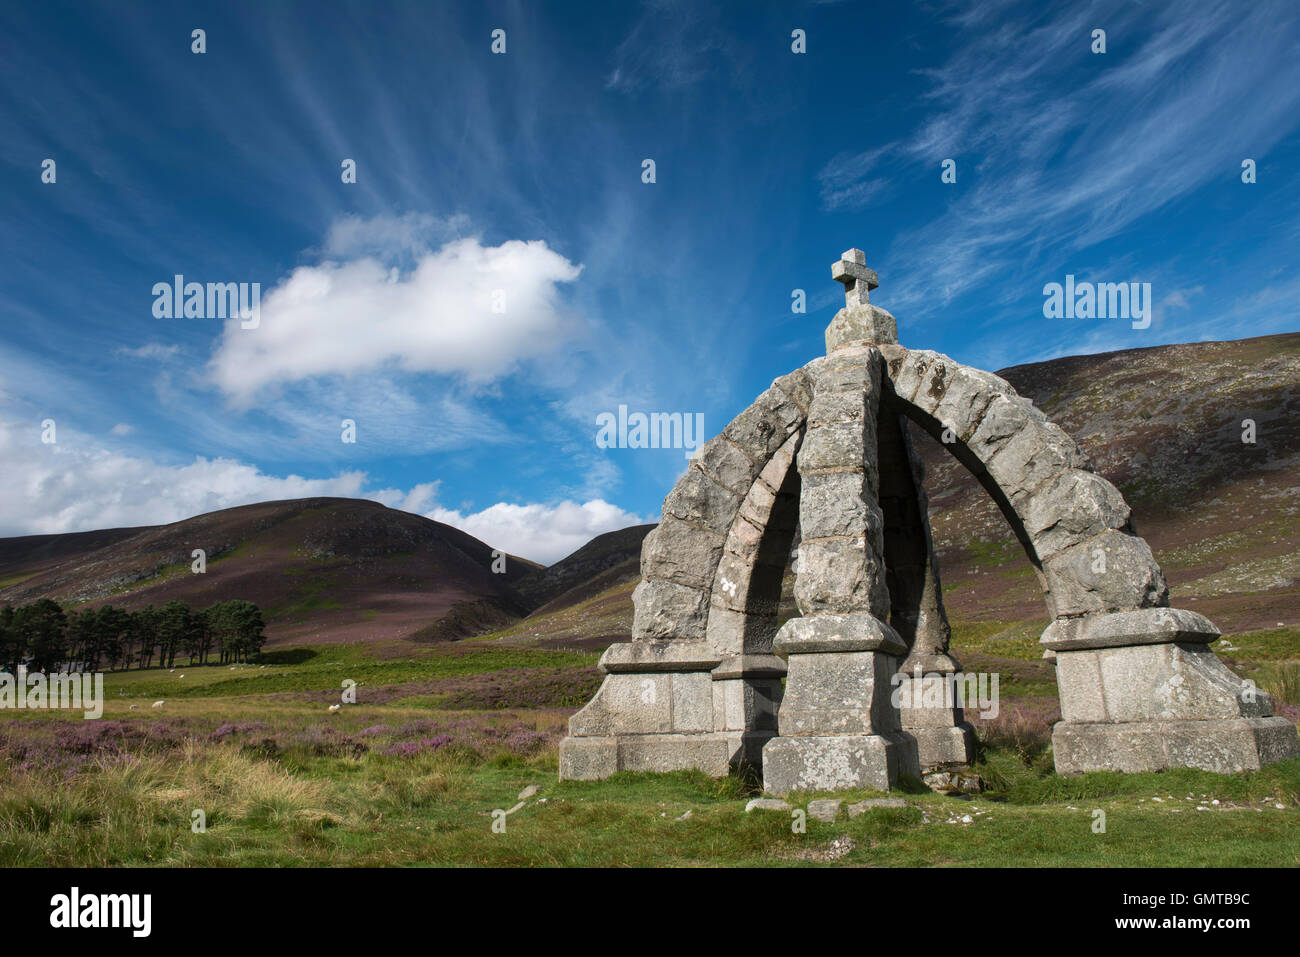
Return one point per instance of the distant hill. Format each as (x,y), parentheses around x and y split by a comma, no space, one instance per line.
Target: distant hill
(578,572)
(322,569)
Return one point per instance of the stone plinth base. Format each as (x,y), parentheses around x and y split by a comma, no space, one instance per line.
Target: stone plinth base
(592,758)
(1142,691)
(674,705)
(839,762)
(1226,745)
(939,748)
(929,710)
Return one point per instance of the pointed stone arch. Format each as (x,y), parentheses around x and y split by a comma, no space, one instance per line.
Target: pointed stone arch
(827,449)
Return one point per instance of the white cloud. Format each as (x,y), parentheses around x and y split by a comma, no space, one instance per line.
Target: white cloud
(121,429)
(438,316)
(75,485)
(543,533)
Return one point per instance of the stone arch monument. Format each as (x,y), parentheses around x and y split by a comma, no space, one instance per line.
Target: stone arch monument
(824,460)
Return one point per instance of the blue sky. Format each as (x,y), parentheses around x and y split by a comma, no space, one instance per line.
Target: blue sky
(522,172)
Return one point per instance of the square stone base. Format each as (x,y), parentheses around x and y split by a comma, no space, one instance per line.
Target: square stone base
(593,758)
(838,762)
(1222,745)
(938,748)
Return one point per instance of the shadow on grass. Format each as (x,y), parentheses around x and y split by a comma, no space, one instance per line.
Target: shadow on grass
(289,656)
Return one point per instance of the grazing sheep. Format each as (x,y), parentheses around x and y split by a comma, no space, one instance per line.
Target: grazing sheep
(335,707)
(134,706)
(182,676)
(158,704)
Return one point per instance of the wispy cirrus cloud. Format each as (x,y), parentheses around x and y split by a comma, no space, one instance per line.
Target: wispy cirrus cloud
(673,44)
(1048,168)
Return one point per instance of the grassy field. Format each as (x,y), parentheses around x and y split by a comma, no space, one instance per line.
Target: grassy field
(443,736)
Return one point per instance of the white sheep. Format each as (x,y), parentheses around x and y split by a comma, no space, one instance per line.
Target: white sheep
(335,707)
(158,704)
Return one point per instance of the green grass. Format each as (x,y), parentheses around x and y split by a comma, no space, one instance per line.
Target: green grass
(1005,639)
(328,666)
(1271,644)
(298,792)
(437,810)
(1281,679)
(1002,553)
(16,578)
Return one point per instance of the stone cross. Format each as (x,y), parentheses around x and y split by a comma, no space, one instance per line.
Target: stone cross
(857,278)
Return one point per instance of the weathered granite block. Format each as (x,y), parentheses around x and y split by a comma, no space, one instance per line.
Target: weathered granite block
(825,810)
(966,399)
(836,763)
(838,503)
(1005,416)
(699,500)
(732,632)
(868,323)
(746,705)
(845,693)
(1114,571)
(798,386)
(1153,682)
(588,759)
(728,465)
(947,747)
(834,447)
(684,554)
(841,576)
(668,610)
(907,370)
(856,369)
(763,428)
(1224,746)
(1031,457)
(1075,506)
(1142,626)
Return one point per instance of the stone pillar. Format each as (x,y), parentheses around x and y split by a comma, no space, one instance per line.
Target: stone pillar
(837,725)
(1142,691)
(929,674)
